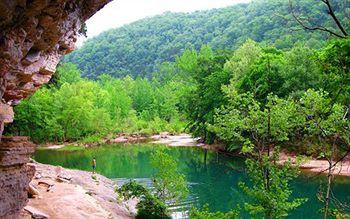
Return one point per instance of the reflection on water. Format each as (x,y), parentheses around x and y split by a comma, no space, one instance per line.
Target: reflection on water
(213,182)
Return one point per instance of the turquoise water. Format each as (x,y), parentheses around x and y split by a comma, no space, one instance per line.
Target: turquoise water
(213,182)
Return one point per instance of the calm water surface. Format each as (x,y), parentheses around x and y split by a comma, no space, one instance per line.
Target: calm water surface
(213,182)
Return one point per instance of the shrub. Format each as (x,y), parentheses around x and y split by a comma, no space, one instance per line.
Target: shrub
(149,206)
(204,213)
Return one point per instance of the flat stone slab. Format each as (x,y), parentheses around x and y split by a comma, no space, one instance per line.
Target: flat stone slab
(35,212)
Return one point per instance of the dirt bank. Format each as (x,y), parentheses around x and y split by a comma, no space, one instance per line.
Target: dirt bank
(319,166)
(75,194)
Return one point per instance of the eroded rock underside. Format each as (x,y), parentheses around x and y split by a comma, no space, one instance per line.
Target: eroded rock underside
(34,36)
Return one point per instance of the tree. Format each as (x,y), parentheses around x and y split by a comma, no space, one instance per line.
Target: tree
(143,98)
(66,73)
(260,128)
(207,71)
(204,213)
(301,71)
(262,70)
(170,185)
(264,77)
(149,206)
(335,64)
(328,127)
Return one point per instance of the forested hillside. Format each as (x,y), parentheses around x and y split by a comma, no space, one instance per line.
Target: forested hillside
(137,49)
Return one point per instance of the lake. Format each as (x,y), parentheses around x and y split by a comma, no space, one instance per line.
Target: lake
(213,181)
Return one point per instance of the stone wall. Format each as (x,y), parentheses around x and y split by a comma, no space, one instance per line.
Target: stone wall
(15,175)
(34,36)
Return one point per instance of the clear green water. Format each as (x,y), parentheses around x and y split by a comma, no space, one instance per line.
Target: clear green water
(213,182)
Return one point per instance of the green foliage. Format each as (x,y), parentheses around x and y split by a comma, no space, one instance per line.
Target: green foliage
(270,200)
(252,69)
(132,190)
(72,108)
(137,48)
(301,71)
(169,184)
(261,70)
(335,62)
(152,208)
(67,73)
(328,126)
(204,213)
(263,77)
(149,206)
(259,127)
(328,121)
(208,75)
(247,121)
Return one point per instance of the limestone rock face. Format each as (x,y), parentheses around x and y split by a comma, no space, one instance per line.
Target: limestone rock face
(15,175)
(34,35)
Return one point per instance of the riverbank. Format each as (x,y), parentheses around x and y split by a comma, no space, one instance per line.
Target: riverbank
(165,138)
(317,166)
(65,193)
(308,165)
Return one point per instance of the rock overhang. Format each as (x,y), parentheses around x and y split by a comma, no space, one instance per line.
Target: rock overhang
(34,36)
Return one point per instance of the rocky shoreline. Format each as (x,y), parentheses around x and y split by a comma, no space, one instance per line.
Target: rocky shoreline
(63,193)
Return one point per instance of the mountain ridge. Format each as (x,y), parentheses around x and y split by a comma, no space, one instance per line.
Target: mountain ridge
(137,49)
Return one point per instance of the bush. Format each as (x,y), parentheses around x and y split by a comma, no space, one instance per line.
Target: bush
(149,206)
(204,213)
(169,184)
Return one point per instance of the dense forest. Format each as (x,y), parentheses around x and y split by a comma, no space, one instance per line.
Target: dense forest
(137,49)
(257,89)
(70,107)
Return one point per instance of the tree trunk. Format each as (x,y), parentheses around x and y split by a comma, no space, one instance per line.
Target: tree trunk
(329,183)
(267,175)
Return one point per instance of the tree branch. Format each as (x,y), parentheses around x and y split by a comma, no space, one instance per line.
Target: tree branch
(334,164)
(320,28)
(336,20)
